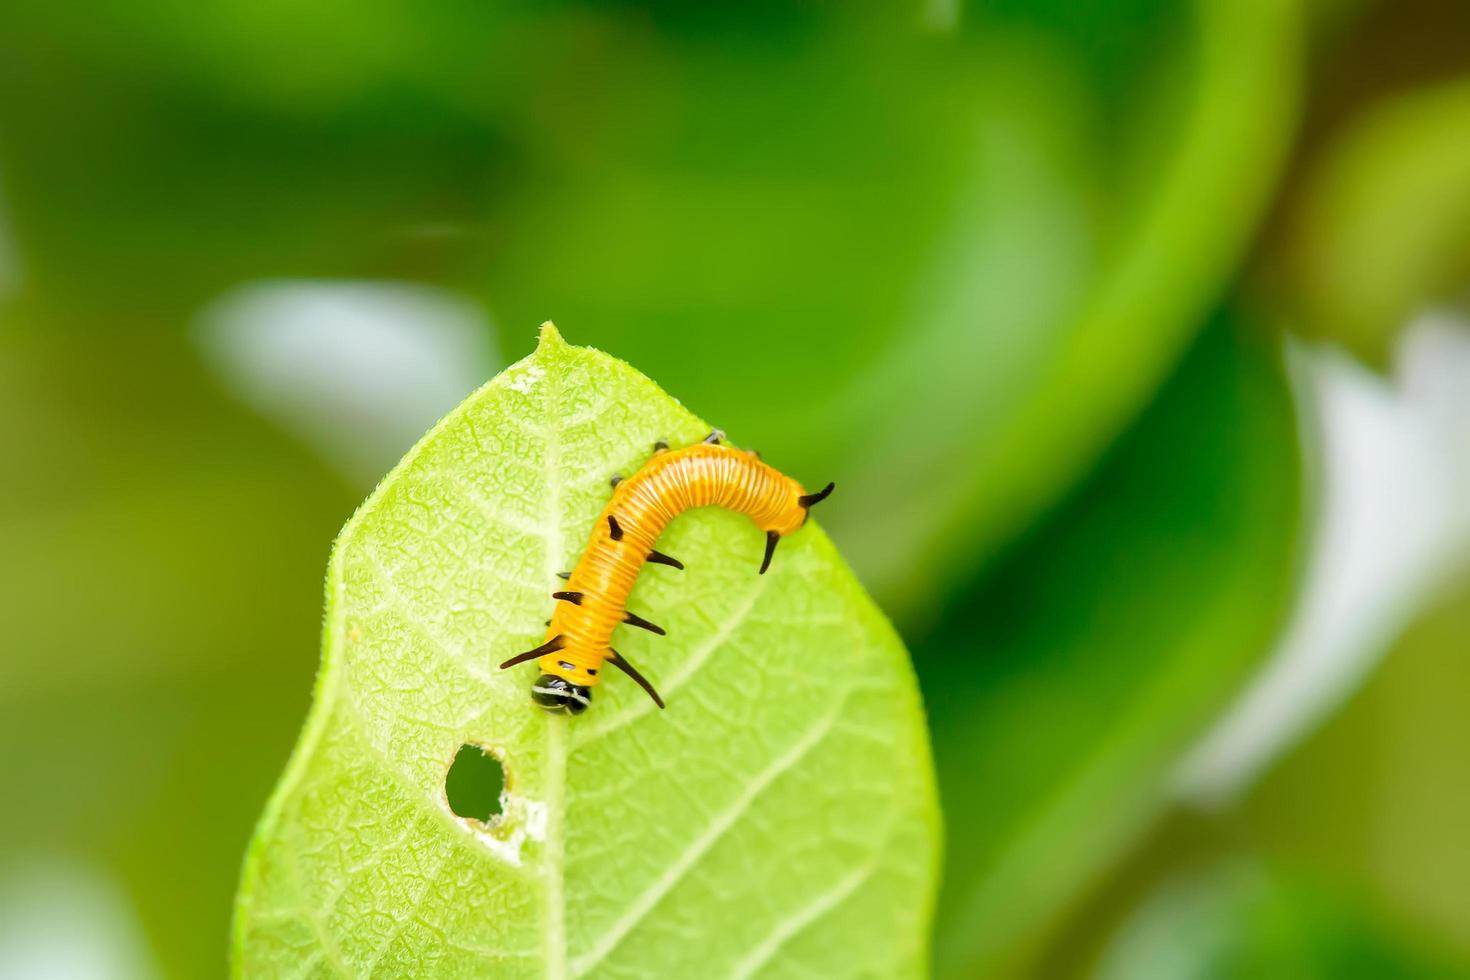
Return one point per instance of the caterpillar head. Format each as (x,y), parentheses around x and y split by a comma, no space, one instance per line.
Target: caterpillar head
(559,694)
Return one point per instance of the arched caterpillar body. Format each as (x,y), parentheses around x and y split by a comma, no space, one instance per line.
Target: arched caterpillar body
(579,636)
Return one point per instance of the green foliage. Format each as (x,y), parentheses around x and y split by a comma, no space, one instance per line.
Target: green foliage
(959,260)
(1366,804)
(788,779)
(1235,919)
(1383,228)
(150,727)
(1063,687)
(1037,262)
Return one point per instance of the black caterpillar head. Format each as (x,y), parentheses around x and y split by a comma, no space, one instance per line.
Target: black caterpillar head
(559,694)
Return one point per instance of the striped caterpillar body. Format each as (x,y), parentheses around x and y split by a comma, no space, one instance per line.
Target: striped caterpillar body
(579,636)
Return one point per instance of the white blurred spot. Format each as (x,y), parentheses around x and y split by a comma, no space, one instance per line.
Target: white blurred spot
(1188,927)
(1393,524)
(61,920)
(358,370)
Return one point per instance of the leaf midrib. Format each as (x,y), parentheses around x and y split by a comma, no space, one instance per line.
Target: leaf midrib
(556,740)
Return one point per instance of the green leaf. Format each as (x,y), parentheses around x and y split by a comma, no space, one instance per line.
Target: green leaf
(781,810)
(1237,918)
(1383,229)
(150,476)
(1372,803)
(1064,688)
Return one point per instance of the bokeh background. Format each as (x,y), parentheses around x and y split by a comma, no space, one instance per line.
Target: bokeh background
(1135,333)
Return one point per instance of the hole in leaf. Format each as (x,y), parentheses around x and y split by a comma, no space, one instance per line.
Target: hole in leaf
(474,782)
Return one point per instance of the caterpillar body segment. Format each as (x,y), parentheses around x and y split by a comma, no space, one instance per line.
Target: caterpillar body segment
(594,602)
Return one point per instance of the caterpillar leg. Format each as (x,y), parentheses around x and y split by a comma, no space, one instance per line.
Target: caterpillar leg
(616,479)
(810,500)
(773,538)
(550,646)
(659,558)
(715,435)
(616,659)
(633,619)
(660,447)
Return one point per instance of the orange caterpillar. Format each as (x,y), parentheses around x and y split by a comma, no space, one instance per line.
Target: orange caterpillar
(706,474)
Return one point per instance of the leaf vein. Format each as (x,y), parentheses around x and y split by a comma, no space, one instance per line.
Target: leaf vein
(639,908)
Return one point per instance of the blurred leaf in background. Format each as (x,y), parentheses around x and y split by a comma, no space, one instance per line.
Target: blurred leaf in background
(161,583)
(1015,229)
(1234,919)
(966,255)
(1319,840)
(1375,804)
(1374,220)
(1386,226)
(156,154)
(1063,687)
(1344,861)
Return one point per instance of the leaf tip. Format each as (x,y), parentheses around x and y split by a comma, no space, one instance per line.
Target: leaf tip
(550,337)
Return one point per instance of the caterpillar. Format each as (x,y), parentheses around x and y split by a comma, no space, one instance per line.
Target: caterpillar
(593,604)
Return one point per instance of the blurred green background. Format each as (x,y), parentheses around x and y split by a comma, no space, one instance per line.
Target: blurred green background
(1135,333)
